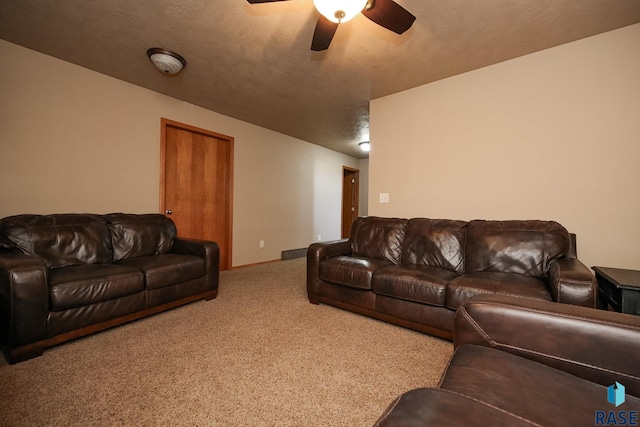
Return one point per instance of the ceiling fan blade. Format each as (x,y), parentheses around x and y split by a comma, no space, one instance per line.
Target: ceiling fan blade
(262,1)
(323,34)
(390,15)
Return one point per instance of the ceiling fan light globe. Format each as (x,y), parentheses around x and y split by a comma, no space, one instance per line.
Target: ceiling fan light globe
(339,10)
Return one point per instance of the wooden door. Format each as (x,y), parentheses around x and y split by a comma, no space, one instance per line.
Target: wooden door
(350,198)
(196,184)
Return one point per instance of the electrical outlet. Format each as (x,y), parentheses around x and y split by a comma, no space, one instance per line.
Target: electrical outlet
(384,197)
(261,244)
(319,237)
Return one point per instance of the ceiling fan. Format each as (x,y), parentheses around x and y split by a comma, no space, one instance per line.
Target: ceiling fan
(386,13)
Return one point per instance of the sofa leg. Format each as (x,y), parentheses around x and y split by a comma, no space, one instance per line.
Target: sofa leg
(20,354)
(211,295)
(312,300)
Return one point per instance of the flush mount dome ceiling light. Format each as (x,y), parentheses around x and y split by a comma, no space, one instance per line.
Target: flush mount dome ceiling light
(365,146)
(166,61)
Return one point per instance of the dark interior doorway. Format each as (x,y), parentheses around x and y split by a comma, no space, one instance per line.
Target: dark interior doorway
(350,198)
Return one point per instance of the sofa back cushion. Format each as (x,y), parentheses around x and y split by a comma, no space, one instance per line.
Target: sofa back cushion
(375,237)
(523,247)
(60,240)
(435,242)
(134,236)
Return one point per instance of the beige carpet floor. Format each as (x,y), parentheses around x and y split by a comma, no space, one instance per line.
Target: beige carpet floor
(258,355)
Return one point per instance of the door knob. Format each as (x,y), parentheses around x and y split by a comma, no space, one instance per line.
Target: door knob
(168,211)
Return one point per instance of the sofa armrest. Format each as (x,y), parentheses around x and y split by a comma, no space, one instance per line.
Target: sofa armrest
(599,346)
(208,250)
(24,299)
(571,282)
(318,252)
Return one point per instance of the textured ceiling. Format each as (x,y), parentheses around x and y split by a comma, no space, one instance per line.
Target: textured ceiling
(253,62)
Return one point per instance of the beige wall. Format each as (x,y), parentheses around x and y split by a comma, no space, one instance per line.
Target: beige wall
(73,140)
(552,135)
(364,187)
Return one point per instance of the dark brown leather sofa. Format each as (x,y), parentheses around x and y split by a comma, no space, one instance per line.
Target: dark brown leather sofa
(417,272)
(520,362)
(68,275)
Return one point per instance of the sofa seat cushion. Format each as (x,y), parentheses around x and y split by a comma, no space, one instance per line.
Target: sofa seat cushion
(436,407)
(166,270)
(418,283)
(464,287)
(79,285)
(528,389)
(352,271)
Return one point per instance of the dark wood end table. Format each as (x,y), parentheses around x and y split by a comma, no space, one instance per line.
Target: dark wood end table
(618,289)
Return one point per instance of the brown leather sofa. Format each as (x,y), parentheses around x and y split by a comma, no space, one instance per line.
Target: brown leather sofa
(417,272)
(520,362)
(68,275)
